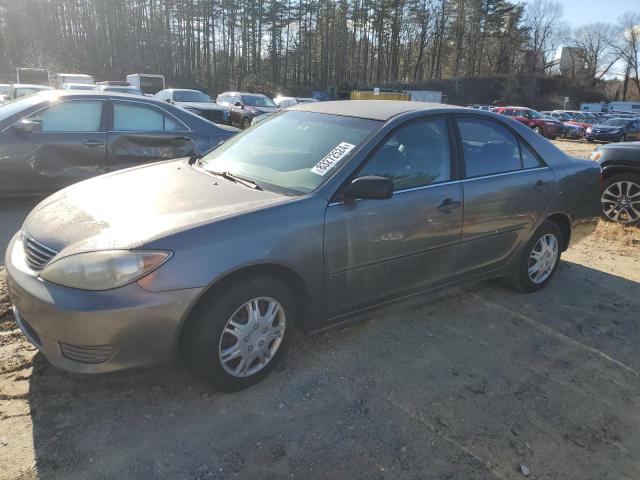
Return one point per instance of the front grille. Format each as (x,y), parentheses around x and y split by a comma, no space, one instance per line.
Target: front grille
(87,353)
(37,255)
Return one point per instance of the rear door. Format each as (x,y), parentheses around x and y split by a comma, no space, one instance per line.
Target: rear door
(54,147)
(141,133)
(377,250)
(507,188)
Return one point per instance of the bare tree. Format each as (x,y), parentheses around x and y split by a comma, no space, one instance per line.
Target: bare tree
(543,20)
(629,49)
(594,40)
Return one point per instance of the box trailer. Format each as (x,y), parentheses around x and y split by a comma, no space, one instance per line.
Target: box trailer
(593,107)
(631,107)
(74,78)
(32,76)
(149,83)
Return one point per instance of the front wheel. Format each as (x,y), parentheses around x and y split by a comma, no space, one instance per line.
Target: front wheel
(538,261)
(237,334)
(621,198)
(245,123)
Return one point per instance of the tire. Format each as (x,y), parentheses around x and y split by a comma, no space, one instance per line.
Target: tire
(520,278)
(621,192)
(206,337)
(245,123)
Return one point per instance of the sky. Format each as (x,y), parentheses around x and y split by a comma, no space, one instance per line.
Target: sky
(580,12)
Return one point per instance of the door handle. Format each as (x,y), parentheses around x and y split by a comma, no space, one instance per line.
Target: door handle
(539,186)
(93,143)
(448,206)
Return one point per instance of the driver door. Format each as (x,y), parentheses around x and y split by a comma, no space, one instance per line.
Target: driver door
(377,250)
(54,147)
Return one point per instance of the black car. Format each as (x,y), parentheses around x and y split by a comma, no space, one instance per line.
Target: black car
(620,163)
(52,139)
(615,130)
(245,107)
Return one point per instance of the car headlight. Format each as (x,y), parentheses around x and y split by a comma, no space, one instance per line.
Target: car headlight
(588,129)
(104,269)
(595,155)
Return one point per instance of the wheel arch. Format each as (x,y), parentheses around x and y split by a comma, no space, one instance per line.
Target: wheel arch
(286,275)
(564,223)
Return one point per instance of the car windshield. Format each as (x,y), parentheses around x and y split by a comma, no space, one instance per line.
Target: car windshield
(615,122)
(11,108)
(535,114)
(292,151)
(190,96)
(257,101)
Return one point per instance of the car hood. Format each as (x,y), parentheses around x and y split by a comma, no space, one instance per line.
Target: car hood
(261,110)
(129,208)
(200,105)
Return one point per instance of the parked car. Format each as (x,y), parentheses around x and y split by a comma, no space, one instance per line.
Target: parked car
(245,106)
(52,139)
(486,108)
(284,102)
(23,89)
(534,120)
(131,90)
(569,129)
(196,102)
(308,219)
(5,88)
(614,130)
(577,118)
(620,163)
(77,86)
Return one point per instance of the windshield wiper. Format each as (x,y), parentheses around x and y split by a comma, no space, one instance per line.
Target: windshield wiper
(238,179)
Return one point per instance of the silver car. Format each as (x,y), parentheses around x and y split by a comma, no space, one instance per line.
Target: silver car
(308,220)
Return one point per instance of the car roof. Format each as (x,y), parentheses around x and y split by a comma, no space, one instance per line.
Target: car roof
(372,109)
(49,94)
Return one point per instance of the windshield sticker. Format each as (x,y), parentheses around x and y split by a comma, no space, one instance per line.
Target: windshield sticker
(332,158)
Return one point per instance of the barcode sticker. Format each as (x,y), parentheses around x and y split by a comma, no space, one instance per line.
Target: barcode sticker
(332,158)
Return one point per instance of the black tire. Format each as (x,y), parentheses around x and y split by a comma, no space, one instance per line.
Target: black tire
(201,338)
(519,278)
(245,123)
(633,178)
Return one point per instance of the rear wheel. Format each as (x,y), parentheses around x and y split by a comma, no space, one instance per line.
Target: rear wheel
(238,333)
(621,198)
(538,261)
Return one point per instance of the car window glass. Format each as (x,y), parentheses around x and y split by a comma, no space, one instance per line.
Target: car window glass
(141,118)
(77,116)
(416,154)
(529,159)
(488,147)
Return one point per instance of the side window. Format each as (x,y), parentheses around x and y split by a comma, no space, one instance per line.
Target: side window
(488,147)
(73,116)
(130,117)
(415,155)
(529,159)
(508,112)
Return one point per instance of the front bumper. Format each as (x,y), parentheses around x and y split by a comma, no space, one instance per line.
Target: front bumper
(92,332)
(603,137)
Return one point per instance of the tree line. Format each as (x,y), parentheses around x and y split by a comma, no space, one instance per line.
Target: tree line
(299,45)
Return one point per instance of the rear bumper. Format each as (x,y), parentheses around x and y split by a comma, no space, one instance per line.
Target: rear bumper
(92,332)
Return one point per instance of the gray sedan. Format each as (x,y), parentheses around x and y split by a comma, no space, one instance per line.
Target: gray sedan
(307,220)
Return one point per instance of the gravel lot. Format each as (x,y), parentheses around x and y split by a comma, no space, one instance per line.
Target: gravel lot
(468,384)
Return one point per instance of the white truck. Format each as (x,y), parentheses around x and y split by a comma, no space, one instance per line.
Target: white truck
(631,107)
(82,78)
(149,83)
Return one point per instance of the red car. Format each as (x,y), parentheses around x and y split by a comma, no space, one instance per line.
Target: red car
(534,120)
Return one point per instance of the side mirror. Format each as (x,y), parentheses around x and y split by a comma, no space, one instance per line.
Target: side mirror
(369,188)
(168,100)
(238,104)
(25,127)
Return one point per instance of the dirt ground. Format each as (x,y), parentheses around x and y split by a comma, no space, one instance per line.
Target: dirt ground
(473,383)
